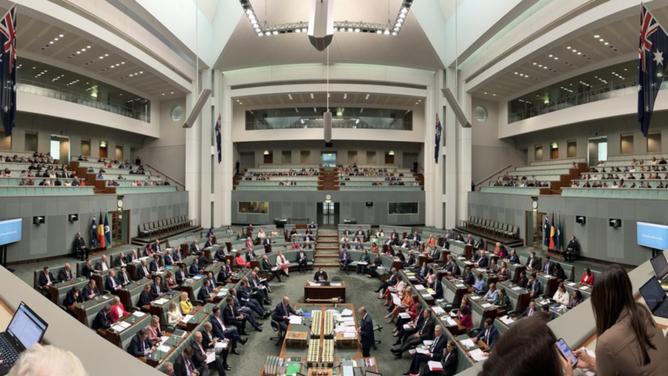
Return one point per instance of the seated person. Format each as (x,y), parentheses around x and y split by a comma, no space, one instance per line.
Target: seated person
(241,262)
(282,263)
(205,292)
(488,336)
(587,277)
(491,295)
(479,287)
(364,261)
(102,319)
(503,301)
(65,274)
(534,286)
(111,284)
(464,315)
(561,295)
(530,310)
(90,291)
(154,332)
(140,346)
(145,297)
(45,280)
(87,269)
(174,315)
(123,277)
(448,362)
(185,304)
(142,271)
(157,288)
(344,259)
(181,274)
(320,275)
(282,313)
(435,351)
(302,260)
(117,311)
(267,267)
(170,281)
(71,298)
(103,264)
(514,258)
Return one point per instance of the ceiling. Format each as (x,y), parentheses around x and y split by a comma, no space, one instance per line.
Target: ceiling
(621,37)
(411,48)
(36,39)
(269,101)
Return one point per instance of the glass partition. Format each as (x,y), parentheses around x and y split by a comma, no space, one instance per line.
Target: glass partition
(342,117)
(46,80)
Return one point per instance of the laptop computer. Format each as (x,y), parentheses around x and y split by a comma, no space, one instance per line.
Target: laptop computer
(660,266)
(25,329)
(655,297)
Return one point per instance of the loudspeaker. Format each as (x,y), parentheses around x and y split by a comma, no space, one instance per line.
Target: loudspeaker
(73,217)
(327,126)
(580,219)
(321,23)
(39,220)
(615,223)
(369,204)
(197,108)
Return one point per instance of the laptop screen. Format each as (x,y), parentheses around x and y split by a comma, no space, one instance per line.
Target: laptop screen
(660,265)
(653,294)
(26,326)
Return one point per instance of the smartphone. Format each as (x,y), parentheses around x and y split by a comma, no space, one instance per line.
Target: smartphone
(566,352)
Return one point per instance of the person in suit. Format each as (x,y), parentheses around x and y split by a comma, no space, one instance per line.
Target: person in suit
(629,341)
(435,352)
(468,277)
(168,259)
(424,332)
(142,271)
(449,361)
(181,274)
(154,265)
(488,336)
(145,297)
(365,260)
(199,355)
(533,262)
(222,331)
(302,260)
(184,366)
(209,341)
(282,313)
(483,260)
(548,267)
(72,297)
(344,259)
(366,332)
(205,291)
(111,284)
(119,261)
(572,250)
(232,317)
(103,264)
(513,258)
(530,310)
(222,276)
(534,286)
(194,268)
(90,291)
(437,286)
(168,369)
(65,274)
(132,256)
(451,268)
(249,313)
(103,318)
(123,277)
(522,280)
(245,296)
(140,346)
(320,275)
(79,247)
(45,280)
(267,267)
(87,269)
(157,288)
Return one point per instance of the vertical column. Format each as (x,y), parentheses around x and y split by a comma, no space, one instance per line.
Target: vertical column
(464,165)
(206,131)
(193,166)
(451,157)
(224,172)
(433,172)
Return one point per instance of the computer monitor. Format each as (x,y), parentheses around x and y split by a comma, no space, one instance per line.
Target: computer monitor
(26,326)
(653,294)
(660,265)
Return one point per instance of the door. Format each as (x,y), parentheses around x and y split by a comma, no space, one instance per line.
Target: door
(597,150)
(328,213)
(328,159)
(120,227)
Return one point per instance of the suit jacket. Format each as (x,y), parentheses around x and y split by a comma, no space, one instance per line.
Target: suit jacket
(69,299)
(137,348)
(483,262)
(123,278)
(366,331)
(437,347)
(218,330)
(180,367)
(108,283)
(153,266)
(78,244)
(427,329)
(43,280)
(155,293)
(438,288)
(207,340)
(194,268)
(449,363)
(491,338)
(181,275)
(222,275)
(117,261)
(282,311)
(65,275)
(534,263)
(199,359)
(168,260)
(320,275)
(144,298)
(204,293)
(514,259)
(230,315)
(87,291)
(87,271)
(535,289)
(102,320)
(143,274)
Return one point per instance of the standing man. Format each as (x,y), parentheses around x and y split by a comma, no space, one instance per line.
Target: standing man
(366,332)
(79,247)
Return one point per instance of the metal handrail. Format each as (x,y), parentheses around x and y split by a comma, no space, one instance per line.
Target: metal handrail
(169,178)
(477,185)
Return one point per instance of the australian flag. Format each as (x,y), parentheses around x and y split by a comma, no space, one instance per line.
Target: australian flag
(219,152)
(653,44)
(8,70)
(437,138)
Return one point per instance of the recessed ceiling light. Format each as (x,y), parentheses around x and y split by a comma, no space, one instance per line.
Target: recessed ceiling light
(106,55)
(290,96)
(606,43)
(311,95)
(60,35)
(366,98)
(596,36)
(345,95)
(171,92)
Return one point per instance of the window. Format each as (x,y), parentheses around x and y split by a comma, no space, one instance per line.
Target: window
(571,149)
(654,143)
(538,153)
(554,150)
(55,149)
(118,152)
(85,148)
(370,157)
(30,141)
(304,156)
(403,208)
(389,157)
(626,144)
(268,157)
(103,149)
(5,141)
(254,207)
(286,157)
(352,157)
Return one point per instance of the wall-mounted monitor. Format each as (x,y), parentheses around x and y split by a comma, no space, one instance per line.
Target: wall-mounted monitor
(10,231)
(652,235)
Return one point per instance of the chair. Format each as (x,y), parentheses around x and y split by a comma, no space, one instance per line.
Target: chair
(279,332)
(377,328)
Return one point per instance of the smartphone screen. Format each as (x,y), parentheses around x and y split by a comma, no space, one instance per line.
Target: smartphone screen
(566,351)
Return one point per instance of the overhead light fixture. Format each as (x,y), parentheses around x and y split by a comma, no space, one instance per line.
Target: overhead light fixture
(312,96)
(290,96)
(366,98)
(345,96)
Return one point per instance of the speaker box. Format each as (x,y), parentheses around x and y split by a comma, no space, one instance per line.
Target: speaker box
(73,217)
(369,204)
(580,219)
(38,220)
(615,223)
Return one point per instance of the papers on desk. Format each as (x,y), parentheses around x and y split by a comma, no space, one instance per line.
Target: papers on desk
(138,314)
(517,288)
(349,335)
(362,263)
(438,310)
(164,348)
(419,287)
(460,286)
(187,318)
(124,324)
(347,312)
(160,301)
(295,320)
(486,305)
(474,297)
(335,284)
(481,270)
(435,366)
(506,320)
(431,291)
(427,342)
(422,351)
(449,321)
(408,326)
(197,277)
(117,328)
(404,315)
(572,284)
(478,355)
(210,357)
(584,288)
(313,283)
(468,343)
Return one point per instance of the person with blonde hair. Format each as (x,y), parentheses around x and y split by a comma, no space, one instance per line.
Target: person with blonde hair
(48,360)
(185,304)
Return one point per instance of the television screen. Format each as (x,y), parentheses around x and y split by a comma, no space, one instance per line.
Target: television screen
(10,231)
(652,235)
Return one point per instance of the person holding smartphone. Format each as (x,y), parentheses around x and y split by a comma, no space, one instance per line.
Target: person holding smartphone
(629,342)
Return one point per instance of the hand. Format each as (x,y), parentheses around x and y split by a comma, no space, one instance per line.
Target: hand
(585,360)
(566,366)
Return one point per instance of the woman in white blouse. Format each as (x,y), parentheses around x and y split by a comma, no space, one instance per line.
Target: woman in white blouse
(174,315)
(561,296)
(282,263)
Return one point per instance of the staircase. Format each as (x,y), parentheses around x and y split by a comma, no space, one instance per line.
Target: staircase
(327,249)
(328,180)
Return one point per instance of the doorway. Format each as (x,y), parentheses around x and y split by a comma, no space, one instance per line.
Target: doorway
(534,228)
(328,159)
(103,149)
(597,150)
(328,213)
(59,148)
(120,227)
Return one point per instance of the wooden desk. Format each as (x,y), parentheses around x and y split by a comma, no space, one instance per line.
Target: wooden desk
(131,289)
(320,293)
(80,310)
(117,336)
(60,289)
(174,342)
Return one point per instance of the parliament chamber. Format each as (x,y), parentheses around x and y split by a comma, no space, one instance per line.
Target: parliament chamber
(333,188)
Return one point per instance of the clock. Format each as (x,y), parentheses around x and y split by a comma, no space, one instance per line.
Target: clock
(119,203)
(328,197)
(534,205)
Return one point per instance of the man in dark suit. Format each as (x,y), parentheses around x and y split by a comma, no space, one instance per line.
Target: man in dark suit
(119,260)
(435,351)
(79,247)
(154,265)
(533,262)
(156,288)
(437,286)
(140,346)
(199,355)
(222,331)
(142,271)
(145,297)
(65,274)
(245,296)
(367,338)
(209,341)
(102,265)
(87,269)
(344,259)
(205,291)
(90,291)
(184,366)
(267,267)
(424,332)
(168,259)
(363,263)
(181,274)
(548,268)
(302,260)
(451,267)
(194,268)
(282,313)
(513,258)
(488,336)
(483,260)
(534,286)
(102,319)
(123,277)
(45,280)
(232,317)
(448,362)
(320,275)
(111,284)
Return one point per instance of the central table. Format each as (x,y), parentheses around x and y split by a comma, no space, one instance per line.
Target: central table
(315,292)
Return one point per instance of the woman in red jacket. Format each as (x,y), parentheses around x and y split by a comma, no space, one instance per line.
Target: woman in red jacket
(117,310)
(587,277)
